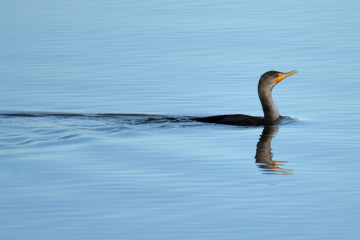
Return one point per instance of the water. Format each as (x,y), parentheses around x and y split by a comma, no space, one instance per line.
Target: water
(144,171)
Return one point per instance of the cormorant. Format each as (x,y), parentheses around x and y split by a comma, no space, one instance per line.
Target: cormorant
(271,114)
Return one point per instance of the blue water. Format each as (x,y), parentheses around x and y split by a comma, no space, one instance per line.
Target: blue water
(68,171)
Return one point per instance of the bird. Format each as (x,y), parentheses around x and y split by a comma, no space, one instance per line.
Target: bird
(271,114)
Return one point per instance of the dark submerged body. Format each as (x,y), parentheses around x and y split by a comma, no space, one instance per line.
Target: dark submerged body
(234,119)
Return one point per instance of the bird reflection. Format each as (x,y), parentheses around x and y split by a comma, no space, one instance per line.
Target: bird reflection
(264,156)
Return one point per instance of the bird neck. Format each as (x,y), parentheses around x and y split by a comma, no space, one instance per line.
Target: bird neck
(271,112)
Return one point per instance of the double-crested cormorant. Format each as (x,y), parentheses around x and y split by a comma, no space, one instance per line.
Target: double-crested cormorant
(271,114)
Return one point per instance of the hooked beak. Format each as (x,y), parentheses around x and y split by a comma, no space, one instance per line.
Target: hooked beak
(284,75)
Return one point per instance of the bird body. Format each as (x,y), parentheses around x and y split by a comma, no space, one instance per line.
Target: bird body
(234,119)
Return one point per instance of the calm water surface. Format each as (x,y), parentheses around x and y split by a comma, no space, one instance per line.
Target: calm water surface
(145,172)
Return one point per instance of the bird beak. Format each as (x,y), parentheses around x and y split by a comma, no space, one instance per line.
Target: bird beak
(284,75)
